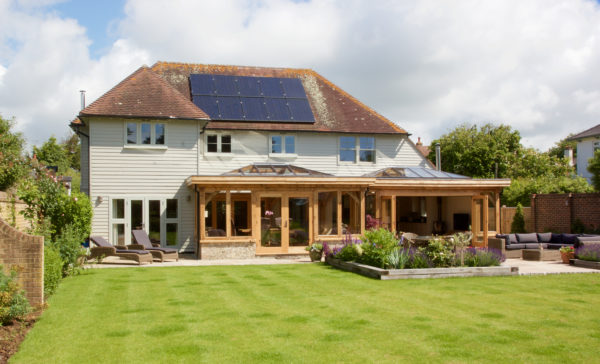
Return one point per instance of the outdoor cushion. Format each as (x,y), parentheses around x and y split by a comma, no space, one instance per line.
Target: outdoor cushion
(569,238)
(513,238)
(515,246)
(133,251)
(527,238)
(556,239)
(535,246)
(544,237)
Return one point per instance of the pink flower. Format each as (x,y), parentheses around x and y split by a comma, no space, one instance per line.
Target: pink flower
(75,198)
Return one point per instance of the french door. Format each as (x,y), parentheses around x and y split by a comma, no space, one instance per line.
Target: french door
(285,222)
(159,217)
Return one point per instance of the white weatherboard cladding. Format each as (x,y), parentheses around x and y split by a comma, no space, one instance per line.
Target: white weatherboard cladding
(585,151)
(85,182)
(118,171)
(316,151)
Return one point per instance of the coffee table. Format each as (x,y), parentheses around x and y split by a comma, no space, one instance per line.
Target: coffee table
(543,254)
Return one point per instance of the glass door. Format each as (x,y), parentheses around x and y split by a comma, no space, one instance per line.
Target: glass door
(299,223)
(270,223)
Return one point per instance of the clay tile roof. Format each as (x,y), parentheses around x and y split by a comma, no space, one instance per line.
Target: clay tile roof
(144,94)
(333,108)
(591,132)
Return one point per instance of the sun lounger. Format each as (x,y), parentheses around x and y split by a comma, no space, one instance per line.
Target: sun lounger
(104,248)
(143,243)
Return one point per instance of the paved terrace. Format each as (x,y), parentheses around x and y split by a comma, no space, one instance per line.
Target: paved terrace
(188,260)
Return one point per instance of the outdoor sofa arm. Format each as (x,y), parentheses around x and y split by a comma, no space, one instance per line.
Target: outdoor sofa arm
(497,244)
(135,247)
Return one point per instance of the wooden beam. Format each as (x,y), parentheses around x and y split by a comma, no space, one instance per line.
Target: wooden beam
(485,222)
(228,213)
(315,215)
(339,213)
(362,210)
(393,213)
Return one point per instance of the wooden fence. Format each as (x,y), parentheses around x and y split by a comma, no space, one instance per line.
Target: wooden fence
(508,213)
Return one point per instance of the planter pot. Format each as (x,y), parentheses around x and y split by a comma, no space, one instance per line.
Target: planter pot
(315,256)
(566,256)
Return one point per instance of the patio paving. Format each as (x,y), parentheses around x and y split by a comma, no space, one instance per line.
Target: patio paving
(526,267)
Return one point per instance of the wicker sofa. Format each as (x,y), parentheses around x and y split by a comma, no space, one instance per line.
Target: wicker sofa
(511,245)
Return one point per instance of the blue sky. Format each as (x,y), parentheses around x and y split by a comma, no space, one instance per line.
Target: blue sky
(424,64)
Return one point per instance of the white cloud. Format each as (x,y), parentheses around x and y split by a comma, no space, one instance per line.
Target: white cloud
(427,65)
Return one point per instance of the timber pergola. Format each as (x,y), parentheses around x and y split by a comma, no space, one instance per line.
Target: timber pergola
(327,207)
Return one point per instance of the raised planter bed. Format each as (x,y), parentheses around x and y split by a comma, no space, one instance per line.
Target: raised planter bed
(585,263)
(385,274)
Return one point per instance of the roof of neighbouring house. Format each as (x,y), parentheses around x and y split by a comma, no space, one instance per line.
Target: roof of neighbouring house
(334,110)
(144,94)
(591,132)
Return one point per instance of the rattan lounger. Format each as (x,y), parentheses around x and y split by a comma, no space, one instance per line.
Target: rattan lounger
(143,243)
(104,248)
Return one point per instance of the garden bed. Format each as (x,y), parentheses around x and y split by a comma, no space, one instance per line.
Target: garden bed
(386,274)
(586,263)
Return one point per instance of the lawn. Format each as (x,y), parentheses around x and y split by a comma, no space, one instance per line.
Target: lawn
(313,313)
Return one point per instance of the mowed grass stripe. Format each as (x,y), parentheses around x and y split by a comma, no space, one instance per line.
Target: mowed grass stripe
(312,313)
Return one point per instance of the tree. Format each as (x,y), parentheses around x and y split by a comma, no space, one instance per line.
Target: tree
(521,189)
(558,150)
(594,169)
(52,154)
(72,150)
(518,223)
(13,165)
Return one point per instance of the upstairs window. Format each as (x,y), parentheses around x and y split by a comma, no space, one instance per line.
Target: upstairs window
(139,133)
(218,143)
(357,149)
(596,146)
(283,144)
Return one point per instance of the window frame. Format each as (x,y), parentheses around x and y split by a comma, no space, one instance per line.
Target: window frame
(138,144)
(357,150)
(284,144)
(219,136)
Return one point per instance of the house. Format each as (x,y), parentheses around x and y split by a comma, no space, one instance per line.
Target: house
(588,142)
(233,162)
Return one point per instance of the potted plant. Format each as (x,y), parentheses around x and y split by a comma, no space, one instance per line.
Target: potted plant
(566,253)
(315,251)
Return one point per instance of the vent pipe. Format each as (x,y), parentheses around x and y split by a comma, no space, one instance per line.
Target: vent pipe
(82,92)
(438,157)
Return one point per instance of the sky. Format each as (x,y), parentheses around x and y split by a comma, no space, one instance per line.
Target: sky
(427,65)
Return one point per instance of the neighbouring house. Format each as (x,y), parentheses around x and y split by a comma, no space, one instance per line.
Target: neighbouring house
(233,162)
(588,142)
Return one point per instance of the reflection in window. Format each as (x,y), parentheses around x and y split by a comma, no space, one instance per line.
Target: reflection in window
(118,234)
(327,213)
(211,143)
(137,218)
(154,216)
(221,215)
(131,133)
(367,149)
(171,233)
(347,149)
(172,208)
(290,144)
(350,212)
(241,215)
(270,222)
(159,134)
(146,130)
(276,144)
(118,208)
(218,143)
(225,143)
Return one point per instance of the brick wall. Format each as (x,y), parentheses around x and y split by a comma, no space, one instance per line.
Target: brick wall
(557,212)
(10,211)
(26,252)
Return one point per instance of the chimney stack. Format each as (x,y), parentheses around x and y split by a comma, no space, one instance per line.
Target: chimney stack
(438,157)
(82,92)
(419,141)
(569,155)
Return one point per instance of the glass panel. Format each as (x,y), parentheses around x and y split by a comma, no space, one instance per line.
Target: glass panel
(154,216)
(367,143)
(118,210)
(221,215)
(211,143)
(118,234)
(386,213)
(146,133)
(290,144)
(131,133)
(171,233)
(367,156)
(298,221)
(350,212)
(137,214)
(241,218)
(370,221)
(347,142)
(159,134)
(270,222)
(208,215)
(226,144)
(491,212)
(347,156)
(276,144)
(172,208)
(327,213)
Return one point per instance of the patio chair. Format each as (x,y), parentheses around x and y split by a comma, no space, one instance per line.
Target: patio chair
(143,243)
(104,248)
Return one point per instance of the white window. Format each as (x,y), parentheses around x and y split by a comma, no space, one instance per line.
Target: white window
(357,149)
(145,133)
(282,144)
(218,143)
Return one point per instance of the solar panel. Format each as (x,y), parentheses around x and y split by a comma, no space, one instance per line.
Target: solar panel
(243,98)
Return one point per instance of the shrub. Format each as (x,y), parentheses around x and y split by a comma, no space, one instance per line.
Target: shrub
(482,257)
(418,259)
(68,245)
(53,267)
(377,246)
(13,304)
(518,223)
(398,258)
(439,252)
(589,252)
